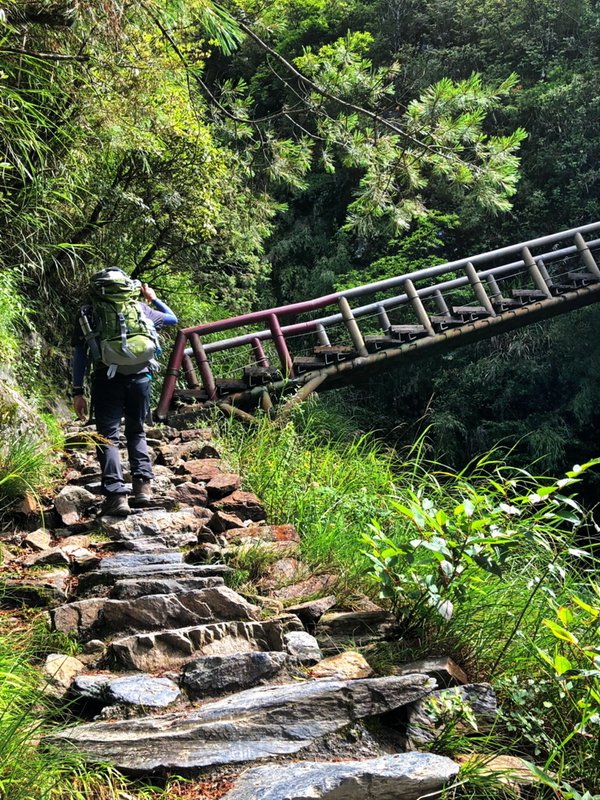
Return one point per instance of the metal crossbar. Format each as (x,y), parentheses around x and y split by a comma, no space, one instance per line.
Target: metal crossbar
(437,307)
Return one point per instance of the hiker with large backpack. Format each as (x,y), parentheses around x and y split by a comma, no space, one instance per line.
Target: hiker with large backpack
(118,334)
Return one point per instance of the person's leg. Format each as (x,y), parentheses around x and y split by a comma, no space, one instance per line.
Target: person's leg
(108,398)
(137,403)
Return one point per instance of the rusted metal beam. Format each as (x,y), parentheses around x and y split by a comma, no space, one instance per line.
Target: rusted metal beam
(208,380)
(281,346)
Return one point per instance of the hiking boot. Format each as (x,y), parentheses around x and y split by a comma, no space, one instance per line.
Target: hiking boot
(142,490)
(116,505)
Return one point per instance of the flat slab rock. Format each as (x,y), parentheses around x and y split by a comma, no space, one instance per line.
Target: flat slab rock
(404,776)
(211,675)
(172,648)
(139,690)
(335,630)
(130,588)
(244,505)
(146,565)
(104,616)
(169,528)
(259,723)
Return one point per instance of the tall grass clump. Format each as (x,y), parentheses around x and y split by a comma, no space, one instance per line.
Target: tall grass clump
(26,465)
(30,769)
(491,564)
(13,314)
(330,489)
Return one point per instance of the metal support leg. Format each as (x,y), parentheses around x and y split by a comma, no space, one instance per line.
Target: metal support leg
(190,373)
(322,336)
(208,381)
(418,307)
(544,272)
(535,273)
(480,292)
(440,302)
(352,326)
(384,320)
(281,346)
(497,295)
(259,353)
(586,255)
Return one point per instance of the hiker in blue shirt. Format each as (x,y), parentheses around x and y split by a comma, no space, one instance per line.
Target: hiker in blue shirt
(115,395)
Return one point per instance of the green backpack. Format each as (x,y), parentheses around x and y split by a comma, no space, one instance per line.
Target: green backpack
(119,334)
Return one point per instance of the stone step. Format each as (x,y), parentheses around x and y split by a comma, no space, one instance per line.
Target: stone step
(259,723)
(402,776)
(151,565)
(168,649)
(137,690)
(103,617)
(338,631)
(130,588)
(153,527)
(213,675)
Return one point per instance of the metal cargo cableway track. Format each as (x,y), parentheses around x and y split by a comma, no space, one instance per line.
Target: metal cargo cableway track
(343,337)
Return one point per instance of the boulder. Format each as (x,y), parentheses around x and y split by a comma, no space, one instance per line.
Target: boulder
(169,649)
(104,616)
(125,565)
(423,725)
(80,557)
(338,631)
(345,666)
(59,671)
(403,776)
(243,505)
(167,528)
(41,590)
(212,675)
(191,494)
(303,647)
(311,612)
(316,584)
(258,723)
(193,434)
(265,533)
(203,469)
(282,571)
(141,690)
(72,504)
(221,521)
(222,485)
(53,555)
(442,668)
(38,540)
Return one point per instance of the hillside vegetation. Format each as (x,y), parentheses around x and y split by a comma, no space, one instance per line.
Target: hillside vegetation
(241,155)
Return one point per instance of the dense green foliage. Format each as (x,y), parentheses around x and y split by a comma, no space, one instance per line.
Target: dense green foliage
(27,714)
(248,154)
(489,564)
(252,154)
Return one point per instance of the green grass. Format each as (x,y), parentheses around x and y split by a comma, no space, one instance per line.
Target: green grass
(26,465)
(33,771)
(513,536)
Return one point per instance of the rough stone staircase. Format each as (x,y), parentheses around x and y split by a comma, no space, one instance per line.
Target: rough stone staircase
(179,673)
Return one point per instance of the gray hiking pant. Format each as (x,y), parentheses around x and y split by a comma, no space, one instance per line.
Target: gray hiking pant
(125,396)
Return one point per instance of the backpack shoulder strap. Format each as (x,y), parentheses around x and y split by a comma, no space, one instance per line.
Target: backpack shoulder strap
(90,335)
